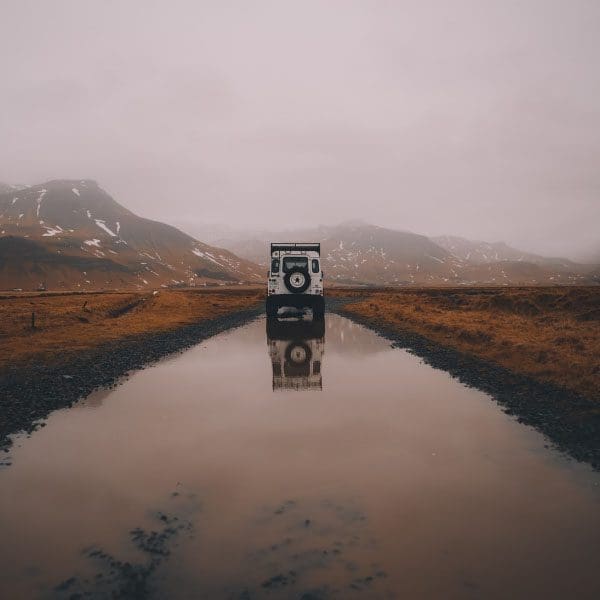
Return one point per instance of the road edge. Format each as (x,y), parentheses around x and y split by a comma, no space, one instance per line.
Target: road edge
(568,420)
(29,394)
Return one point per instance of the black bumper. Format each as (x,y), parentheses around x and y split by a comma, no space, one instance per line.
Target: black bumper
(296,300)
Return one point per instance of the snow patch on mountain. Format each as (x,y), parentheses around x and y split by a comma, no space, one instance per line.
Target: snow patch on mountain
(39,200)
(52,231)
(435,258)
(206,256)
(102,224)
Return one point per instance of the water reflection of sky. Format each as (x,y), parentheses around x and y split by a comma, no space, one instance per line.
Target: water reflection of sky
(392,472)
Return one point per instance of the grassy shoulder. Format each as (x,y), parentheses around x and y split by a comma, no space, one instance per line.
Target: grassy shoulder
(70,323)
(549,334)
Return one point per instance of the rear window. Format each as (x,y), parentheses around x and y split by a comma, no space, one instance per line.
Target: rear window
(294,262)
(315,265)
(275,265)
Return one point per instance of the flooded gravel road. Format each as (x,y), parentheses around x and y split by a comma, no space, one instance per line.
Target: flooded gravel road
(294,461)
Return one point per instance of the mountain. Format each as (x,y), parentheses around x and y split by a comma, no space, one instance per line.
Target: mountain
(73,234)
(496,262)
(360,253)
(7,187)
(375,255)
(478,252)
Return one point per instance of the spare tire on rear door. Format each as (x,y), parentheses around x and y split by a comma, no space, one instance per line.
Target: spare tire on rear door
(298,353)
(297,280)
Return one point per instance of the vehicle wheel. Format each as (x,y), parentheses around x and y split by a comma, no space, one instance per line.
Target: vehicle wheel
(298,353)
(297,280)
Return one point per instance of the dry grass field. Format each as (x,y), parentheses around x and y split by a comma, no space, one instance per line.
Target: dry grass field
(550,334)
(72,322)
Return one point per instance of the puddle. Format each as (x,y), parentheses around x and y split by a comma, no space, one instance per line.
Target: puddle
(294,460)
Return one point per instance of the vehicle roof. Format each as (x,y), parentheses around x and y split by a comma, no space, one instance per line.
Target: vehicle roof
(295,247)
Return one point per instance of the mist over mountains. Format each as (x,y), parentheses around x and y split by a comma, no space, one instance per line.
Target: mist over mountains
(356,252)
(71,234)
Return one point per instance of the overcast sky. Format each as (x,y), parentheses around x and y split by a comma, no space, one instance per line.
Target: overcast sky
(478,118)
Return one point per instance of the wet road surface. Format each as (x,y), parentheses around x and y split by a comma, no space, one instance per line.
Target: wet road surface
(295,460)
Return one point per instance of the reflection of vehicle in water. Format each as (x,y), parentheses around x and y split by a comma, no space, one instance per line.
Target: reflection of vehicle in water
(296,349)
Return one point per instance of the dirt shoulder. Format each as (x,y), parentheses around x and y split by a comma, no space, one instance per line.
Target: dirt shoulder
(73,322)
(549,334)
(85,341)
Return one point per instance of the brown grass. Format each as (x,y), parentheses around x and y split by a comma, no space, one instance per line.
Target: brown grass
(67,323)
(550,334)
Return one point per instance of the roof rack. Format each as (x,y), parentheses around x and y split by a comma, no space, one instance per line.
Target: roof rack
(298,247)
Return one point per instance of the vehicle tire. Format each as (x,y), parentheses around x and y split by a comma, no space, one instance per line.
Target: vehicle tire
(298,353)
(297,280)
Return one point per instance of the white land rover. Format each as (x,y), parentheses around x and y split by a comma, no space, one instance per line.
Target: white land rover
(295,278)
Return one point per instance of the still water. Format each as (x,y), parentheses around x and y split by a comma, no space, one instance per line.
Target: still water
(295,460)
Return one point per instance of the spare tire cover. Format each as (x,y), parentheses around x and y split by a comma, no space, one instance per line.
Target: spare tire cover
(297,280)
(298,353)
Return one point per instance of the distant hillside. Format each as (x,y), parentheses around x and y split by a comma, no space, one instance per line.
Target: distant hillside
(477,252)
(359,253)
(363,254)
(72,234)
(375,255)
(7,187)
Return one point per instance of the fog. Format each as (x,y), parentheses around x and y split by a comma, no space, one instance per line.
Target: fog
(474,118)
